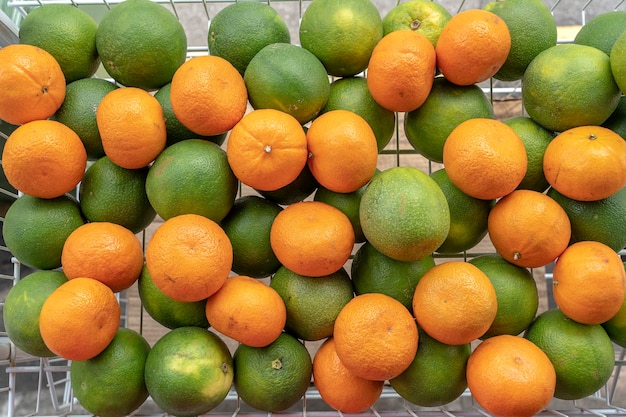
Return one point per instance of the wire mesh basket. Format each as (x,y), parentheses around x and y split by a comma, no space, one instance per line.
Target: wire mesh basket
(40,386)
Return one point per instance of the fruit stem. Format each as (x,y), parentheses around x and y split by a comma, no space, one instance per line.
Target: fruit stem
(267,149)
(277,364)
(415,24)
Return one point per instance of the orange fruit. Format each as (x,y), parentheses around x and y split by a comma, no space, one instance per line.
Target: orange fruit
(340,388)
(588,282)
(44,158)
(79,319)
(504,364)
(455,302)
(208,95)
(528,228)
(472,46)
(424,16)
(247,310)
(401,70)
(297,190)
(617,58)
(312,238)
(267,149)
(485,158)
(343,152)
(103,251)
(375,336)
(189,257)
(131,126)
(615,327)
(586,163)
(32,82)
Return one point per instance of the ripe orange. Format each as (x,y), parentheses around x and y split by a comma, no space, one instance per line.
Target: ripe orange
(267,149)
(132,128)
(485,158)
(586,163)
(44,158)
(340,388)
(375,336)
(504,364)
(588,282)
(32,84)
(528,228)
(189,257)
(401,70)
(312,238)
(103,251)
(455,302)
(472,46)
(79,319)
(343,152)
(208,95)
(247,310)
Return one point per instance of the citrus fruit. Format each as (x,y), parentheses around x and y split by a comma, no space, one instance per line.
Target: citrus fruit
(617,60)
(468,216)
(297,190)
(516,292)
(401,70)
(247,310)
(194,359)
(504,364)
(174,129)
(78,111)
(528,228)
(569,85)
(617,121)
(586,163)
(375,336)
(112,384)
(132,128)
(192,176)
(601,220)
(343,152)
(267,149)
(582,354)
(22,307)
(348,203)
(312,303)
(425,17)
(536,140)
(532,28)
(104,251)
(240,30)
(289,78)
(68,33)
(341,33)
(602,30)
(189,257)
(455,302)
(485,158)
(588,282)
(275,377)
(248,226)
(33,84)
(208,95)
(44,158)
(79,319)
(437,374)
(372,271)
(352,93)
(472,46)
(404,214)
(138,55)
(615,327)
(165,310)
(447,105)
(35,229)
(340,388)
(312,238)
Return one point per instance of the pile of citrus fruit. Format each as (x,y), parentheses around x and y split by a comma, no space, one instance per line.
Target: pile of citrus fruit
(277,223)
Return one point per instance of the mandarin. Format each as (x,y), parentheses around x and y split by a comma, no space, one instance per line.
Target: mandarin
(44,158)
(528,228)
(32,84)
(132,127)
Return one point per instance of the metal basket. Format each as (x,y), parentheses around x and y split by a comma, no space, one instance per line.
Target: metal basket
(31,386)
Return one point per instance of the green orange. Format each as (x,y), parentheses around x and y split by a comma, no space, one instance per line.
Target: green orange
(423,16)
